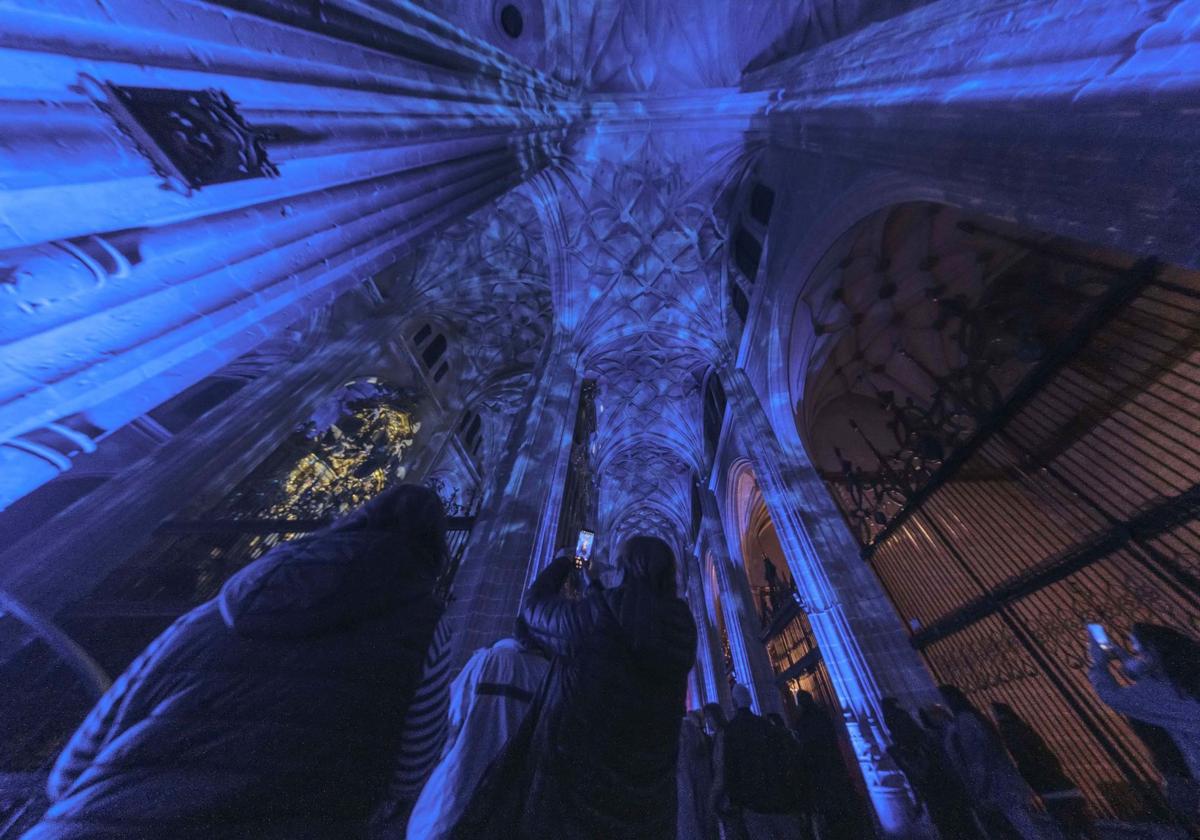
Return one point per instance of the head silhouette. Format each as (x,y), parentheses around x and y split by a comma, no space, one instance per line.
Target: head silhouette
(741,697)
(650,559)
(805,701)
(1168,653)
(714,718)
(1003,712)
(410,513)
(905,731)
(956,701)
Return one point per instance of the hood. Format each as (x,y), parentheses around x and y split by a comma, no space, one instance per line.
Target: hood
(658,629)
(364,565)
(657,625)
(650,560)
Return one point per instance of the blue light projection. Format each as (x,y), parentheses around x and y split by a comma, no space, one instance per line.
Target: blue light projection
(119,289)
(121,293)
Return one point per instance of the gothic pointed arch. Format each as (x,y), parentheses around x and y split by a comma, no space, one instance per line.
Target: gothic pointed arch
(973,393)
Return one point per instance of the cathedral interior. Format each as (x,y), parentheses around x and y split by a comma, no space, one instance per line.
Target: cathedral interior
(883,314)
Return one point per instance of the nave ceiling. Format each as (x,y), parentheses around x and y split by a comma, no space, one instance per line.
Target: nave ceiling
(635,265)
(620,245)
(639,46)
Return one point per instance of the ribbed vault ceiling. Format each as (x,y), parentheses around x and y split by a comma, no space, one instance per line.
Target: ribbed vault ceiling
(623,235)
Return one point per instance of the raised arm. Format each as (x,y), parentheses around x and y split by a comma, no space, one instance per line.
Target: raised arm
(1101,677)
(556,623)
(1149,701)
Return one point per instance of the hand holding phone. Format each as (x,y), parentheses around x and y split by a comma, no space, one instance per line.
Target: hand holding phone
(583,548)
(1101,640)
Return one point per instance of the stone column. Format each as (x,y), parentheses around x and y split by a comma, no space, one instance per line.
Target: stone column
(751,665)
(707,670)
(861,638)
(136,264)
(517,506)
(715,652)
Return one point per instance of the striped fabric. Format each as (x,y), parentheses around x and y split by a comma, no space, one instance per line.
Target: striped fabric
(425,726)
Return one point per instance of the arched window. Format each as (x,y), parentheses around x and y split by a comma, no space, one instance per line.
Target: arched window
(433,351)
(431,347)
(472,436)
(739,301)
(762,200)
(747,252)
(749,226)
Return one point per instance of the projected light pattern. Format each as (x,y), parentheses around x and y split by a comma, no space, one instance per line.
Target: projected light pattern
(195,195)
(643,262)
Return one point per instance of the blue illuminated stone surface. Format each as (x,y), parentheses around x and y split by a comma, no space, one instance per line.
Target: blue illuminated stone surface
(558,200)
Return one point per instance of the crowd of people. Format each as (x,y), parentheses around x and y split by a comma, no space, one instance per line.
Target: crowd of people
(979,777)
(754,777)
(314,698)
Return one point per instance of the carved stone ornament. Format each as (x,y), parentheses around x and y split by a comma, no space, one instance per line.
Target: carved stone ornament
(193,138)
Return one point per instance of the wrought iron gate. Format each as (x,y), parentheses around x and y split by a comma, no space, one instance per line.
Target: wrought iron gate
(999,530)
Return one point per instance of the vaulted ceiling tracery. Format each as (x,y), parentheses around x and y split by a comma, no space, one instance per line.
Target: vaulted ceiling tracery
(644,248)
(484,283)
(644,262)
(629,259)
(652,46)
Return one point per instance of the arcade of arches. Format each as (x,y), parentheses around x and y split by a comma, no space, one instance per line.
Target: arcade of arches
(902,357)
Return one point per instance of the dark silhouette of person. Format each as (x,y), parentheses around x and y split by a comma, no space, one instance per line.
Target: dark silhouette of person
(1001,798)
(770,572)
(836,813)
(918,753)
(771,575)
(757,787)
(1042,770)
(605,746)
(697,821)
(275,710)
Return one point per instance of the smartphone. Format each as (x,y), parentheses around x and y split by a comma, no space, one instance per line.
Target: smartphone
(583,547)
(1100,635)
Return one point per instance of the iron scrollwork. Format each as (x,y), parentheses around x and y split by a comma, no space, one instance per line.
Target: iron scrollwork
(996,332)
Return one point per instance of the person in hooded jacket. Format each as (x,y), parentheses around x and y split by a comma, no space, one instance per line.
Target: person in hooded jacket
(489,700)
(605,746)
(275,710)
